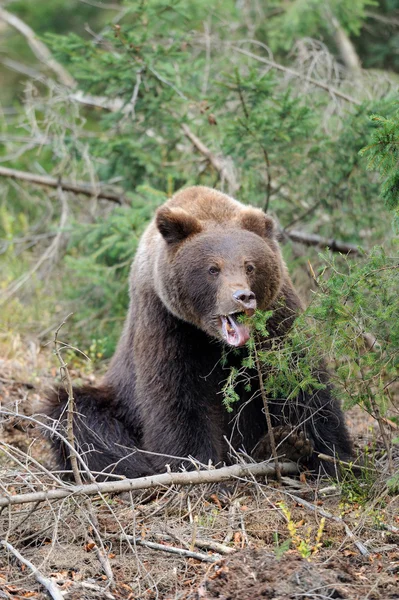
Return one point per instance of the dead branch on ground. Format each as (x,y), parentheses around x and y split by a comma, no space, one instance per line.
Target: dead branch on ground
(174,550)
(50,586)
(184,478)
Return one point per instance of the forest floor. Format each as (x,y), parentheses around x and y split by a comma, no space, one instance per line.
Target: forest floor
(253,538)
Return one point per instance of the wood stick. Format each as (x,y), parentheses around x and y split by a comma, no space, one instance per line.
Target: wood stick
(50,586)
(174,550)
(151,481)
(69,186)
(311,239)
(337,461)
(200,543)
(214,546)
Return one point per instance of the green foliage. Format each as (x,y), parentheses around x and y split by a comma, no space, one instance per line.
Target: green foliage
(383,156)
(230,395)
(393,483)
(360,486)
(280,549)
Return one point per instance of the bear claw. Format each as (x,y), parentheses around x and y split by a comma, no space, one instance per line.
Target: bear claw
(292,444)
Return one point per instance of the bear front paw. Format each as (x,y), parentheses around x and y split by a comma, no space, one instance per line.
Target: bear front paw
(291,444)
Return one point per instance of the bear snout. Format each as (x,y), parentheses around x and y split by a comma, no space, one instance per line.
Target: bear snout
(246,300)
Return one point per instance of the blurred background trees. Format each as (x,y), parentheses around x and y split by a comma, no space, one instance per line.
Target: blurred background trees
(267,100)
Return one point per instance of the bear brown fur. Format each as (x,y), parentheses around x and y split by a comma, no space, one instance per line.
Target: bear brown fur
(204,258)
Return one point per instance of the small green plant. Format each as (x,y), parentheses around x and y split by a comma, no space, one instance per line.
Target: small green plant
(301,539)
(280,549)
(357,487)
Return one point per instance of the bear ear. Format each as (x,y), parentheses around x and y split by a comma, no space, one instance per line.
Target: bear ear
(256,221)
(175,224)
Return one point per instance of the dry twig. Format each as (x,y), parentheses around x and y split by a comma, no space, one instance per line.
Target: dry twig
(50,586)
(173,550)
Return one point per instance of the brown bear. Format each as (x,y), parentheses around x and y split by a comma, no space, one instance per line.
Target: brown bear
(204,260)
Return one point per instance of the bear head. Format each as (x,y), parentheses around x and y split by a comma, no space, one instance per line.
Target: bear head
(210,272)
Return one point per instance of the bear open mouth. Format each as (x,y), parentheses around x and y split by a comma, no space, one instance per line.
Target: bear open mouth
(235,333)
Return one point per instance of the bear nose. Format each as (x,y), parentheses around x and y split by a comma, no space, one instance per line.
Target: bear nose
(247,299)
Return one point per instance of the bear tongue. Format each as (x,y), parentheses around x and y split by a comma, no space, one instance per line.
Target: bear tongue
(235,334)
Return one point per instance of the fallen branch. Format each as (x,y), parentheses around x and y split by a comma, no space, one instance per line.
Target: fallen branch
(311,239)
(333,91)
(214,546)
(174,550)
(50,586)
(200,543)
(69,186)
(143,483)
(308,239)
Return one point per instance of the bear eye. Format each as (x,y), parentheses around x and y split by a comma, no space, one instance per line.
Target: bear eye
(250,268)
(213,270)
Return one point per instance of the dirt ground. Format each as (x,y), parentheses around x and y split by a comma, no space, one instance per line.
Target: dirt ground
(251,539)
